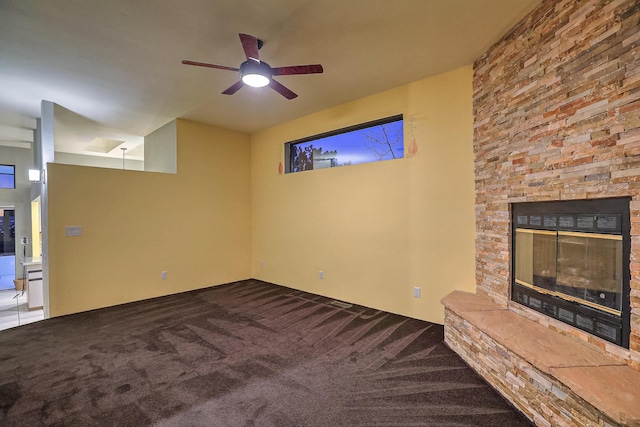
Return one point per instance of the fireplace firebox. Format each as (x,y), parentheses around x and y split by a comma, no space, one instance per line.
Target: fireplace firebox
(570,261)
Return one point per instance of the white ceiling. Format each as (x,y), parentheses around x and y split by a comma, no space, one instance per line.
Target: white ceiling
(117,62)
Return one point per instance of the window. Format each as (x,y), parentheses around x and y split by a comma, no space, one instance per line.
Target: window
(7,176)
(368,142)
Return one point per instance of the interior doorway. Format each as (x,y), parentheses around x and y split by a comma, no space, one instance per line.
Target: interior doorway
(14,297)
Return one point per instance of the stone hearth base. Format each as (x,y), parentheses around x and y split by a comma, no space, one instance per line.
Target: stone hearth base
(553,379)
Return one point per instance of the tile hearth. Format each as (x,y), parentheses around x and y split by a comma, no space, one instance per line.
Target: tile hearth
(553,379)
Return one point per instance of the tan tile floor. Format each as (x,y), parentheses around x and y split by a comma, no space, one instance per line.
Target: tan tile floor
(14,312)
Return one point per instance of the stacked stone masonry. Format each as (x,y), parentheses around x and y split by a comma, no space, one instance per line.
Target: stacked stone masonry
(553,379)
(557,117)
(543,400)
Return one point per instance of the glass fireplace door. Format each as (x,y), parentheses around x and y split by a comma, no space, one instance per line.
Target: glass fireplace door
(536,258)
(590,269)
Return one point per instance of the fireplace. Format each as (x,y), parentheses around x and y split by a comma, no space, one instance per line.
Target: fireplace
(570,261)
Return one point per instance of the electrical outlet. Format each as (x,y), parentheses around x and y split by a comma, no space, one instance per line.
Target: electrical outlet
(163,275)
(321,274)
(416,292)
(261,264)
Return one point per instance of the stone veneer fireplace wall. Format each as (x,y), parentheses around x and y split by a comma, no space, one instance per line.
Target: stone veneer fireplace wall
(557,117)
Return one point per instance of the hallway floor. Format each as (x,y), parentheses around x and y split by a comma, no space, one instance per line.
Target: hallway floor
(14,312)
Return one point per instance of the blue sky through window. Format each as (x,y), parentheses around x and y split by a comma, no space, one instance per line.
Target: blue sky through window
(7,176)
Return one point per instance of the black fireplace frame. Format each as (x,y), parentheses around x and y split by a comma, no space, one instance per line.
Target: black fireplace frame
(602,322)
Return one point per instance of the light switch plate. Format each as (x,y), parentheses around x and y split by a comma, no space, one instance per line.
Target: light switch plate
(73,231)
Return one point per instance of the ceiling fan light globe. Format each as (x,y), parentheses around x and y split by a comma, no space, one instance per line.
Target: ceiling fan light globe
(255,80)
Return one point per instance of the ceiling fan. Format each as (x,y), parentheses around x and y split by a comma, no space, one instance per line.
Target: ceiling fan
(256,73)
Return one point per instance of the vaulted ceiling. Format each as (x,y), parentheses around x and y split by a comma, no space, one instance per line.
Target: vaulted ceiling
(118,62)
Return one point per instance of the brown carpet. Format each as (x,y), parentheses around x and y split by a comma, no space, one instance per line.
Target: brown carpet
(243,354)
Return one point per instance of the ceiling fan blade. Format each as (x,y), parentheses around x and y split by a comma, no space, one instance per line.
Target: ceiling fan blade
(250,46)
(297,69)
(204,64)
(282,90)
(233,88)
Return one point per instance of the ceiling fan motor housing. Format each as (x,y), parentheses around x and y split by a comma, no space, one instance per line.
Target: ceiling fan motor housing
(255,67)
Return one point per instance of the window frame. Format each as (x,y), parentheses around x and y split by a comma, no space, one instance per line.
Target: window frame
(288,163)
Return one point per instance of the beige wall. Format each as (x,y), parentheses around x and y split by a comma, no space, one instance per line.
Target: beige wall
(195,225)
(378,229)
